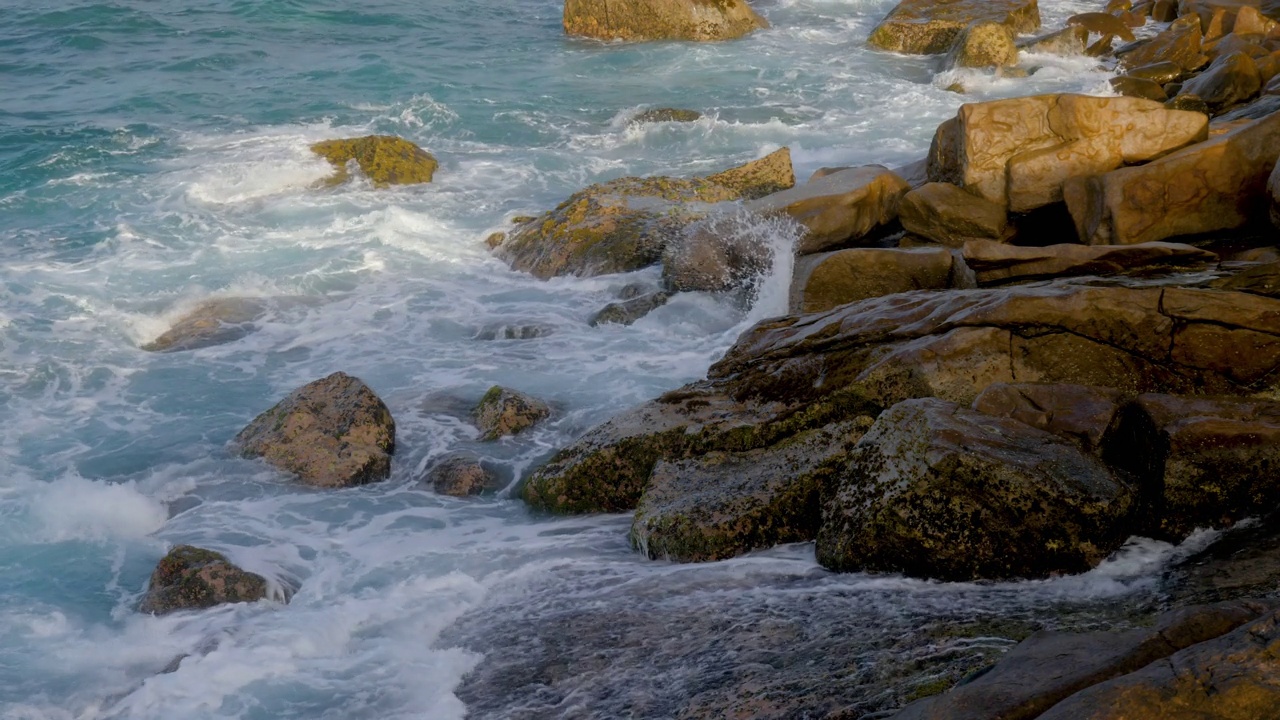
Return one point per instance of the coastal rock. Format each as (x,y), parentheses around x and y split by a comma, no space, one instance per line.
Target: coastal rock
(384,159)
(926,27)
(625,224)
(192,578)
(1230,14)
(661,19)
(1050,666)
(1103,24)
(1181,43)
(1230,80)
(842,207)
(1243,563)
(503,411)
(827,280)
(334,432)
(1067,41)
(940,491)
(1273,195)
(1219,184)
(1232,677)
(460,476)
(1082,414)
(945,214)
(723,251)
(983,45)
(1017,153)
(1164,11)
(1138,87)
(627,312)
(1260,280)
(722,504)
(1163,72)
(1210,460)
(213,322)
(657,115)
(994,263)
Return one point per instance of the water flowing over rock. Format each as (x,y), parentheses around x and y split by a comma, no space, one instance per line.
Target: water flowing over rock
(384,159)
(827,280)
(721,252)
(1219,184)
(213,322)
(994,263)
(334,432)
(192,578)
(1067,42)
(931,26)
(1017,153)
(661,19)
(625,224)
(461,475)
(946,214)
(839,208)
(629,311)
(503,411)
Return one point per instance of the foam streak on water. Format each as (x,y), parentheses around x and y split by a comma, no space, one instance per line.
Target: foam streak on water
(154,156)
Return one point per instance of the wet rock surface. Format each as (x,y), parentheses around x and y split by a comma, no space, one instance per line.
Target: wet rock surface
(661,19)
(842,207)
(629,311)
(827,280)
(461,475)
(192,578)
(931,27)
(213,322)
(384,159)
(503,411)
(1083,414)
(996,263)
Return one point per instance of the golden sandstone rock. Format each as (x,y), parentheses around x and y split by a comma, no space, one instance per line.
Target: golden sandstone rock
(828,280)
(924,27)
(1219,184)
(661,19)
(984,45)
(384,159)
(1018,152)
(840,207)
(1180,43)
(946,214)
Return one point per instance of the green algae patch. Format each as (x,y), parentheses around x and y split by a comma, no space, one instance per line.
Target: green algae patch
(384,159)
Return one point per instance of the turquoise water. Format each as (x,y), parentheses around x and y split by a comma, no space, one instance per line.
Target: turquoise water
(154,155)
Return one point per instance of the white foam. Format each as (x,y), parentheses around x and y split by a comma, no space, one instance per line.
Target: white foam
(74,508)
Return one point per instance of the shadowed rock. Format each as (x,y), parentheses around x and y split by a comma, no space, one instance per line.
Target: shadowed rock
(946,214)
(1181,44)
(828,280)
(1083,414)
(994,263)
(193,578)
(1230,80)
(842,207)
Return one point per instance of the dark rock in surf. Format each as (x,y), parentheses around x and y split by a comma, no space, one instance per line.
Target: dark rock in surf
(192,578)
(213,322)
(504,412)
(629,311)
(657,115)
(461,475)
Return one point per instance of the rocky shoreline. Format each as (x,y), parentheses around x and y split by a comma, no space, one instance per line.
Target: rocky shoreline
(1058,330)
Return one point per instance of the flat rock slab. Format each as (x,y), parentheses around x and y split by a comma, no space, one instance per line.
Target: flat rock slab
(334,432)
(213,322)
(994,263)
(932,26)
(192,578)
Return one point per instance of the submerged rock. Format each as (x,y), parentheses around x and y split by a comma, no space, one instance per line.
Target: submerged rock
(213,322)
(661,19)
(194,578)
(936,490)
(629,311)
(657,115)
(507,412)
(384,159)
(461,475)
(334,432)
(932,26)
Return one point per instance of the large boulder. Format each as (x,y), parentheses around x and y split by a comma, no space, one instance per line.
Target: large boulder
(661,19)
(721,504)
(945,214)
(932,26)
(192,578)
(839,208)
(1230,80)
(1017,153)
(983,45)
(1208,461)
(1083,414)
(213,322)
(995,263)
(1232,677)
(1219,184)
(384,159)
(334,432)
(1050,666)
(828,280)
(940,491)
(625,224)
(1181,43)
(503,411)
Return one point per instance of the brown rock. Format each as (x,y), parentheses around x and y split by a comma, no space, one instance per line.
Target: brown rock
(661,19)
(1181,43)
(945,214)
(384,159)
(1139,88)
(940,491)
(983,45)
(212,322)
(839,208)
(828,280)
(1232,677)
(994,263)
(1068,41)
(1163,72)
(656,115)
(724,251)
(1219,184)
(194,578)
(1259,280)
(334,432)
(1230,80)
(507,412)
(1208,461)
(1273,86)
(1082,414)
(461,476)
(1164,11)
(1103,24)
(1273,193)
(1188,102)
(1227,14)
(931,26)
(1250,45)
(1019,152)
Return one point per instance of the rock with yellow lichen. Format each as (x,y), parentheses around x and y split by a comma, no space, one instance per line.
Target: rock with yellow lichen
(384,159)
(661,19)
(191,578)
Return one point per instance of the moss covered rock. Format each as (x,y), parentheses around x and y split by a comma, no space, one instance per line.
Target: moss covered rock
(334,432)
(384,159)
(507,412)
(661,19)
(192,578)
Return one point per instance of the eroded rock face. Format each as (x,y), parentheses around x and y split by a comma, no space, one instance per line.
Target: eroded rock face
(334,432)
(503,411)
(1219,184)
(1209,461)
(828,280)
(1083,414)
(995,263)
(384,159)
(932,26)
(945,214)
(937,490)
(192,578)
(661,19)
(838,208)
(213,322)
(625,224)
(1017,153)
